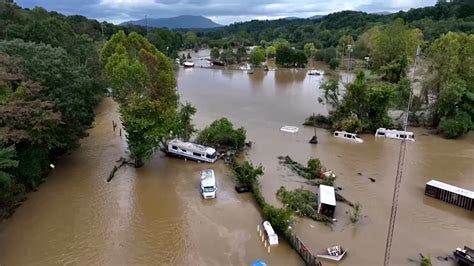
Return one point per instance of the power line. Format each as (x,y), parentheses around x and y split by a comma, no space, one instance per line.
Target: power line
(398,178)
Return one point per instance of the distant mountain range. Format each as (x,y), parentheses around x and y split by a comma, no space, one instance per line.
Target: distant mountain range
(179,22)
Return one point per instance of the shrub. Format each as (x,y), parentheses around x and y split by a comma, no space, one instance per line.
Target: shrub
(247,174)
(333,63)
(318,120)
(280,218)
(452,128)
(314,167)
(356,213)
(221,134)
(349,124)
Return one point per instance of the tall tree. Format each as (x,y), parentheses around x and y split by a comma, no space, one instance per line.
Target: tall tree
(394,49)
(145,86)
(450,83)
(257,56)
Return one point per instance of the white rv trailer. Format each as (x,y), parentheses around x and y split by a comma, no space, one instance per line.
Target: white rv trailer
(191,151)
(395,134)
(348,136)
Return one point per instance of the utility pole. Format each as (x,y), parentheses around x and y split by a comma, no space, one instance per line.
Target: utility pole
(398,178)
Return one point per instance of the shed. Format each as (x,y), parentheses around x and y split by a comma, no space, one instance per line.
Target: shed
(327,200)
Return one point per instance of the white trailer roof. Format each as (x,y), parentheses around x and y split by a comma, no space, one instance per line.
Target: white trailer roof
(451,188)
(327,195)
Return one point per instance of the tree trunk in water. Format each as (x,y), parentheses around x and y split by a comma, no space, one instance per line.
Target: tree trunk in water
(139,162)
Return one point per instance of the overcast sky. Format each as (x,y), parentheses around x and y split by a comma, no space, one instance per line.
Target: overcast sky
(221,11)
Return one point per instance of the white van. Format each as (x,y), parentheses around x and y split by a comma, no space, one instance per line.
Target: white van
(208,184)
(348,136)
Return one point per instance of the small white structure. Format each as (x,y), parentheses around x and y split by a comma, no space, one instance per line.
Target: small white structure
(188,64)
(395,134)
(289,129)
(333,253)
(272,237)
(191,151)
(348,136)
(327,200)
(208,184)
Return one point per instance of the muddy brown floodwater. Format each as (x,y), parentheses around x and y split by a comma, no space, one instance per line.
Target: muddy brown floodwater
(154,215)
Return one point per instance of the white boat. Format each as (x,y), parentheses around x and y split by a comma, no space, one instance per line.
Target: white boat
(191,151)
(395,134)
(272,237)
(289,129)
(333,253)
(188,64)
(349,136)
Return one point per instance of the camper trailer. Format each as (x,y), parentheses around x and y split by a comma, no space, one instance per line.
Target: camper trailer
(395,134)
(191,151)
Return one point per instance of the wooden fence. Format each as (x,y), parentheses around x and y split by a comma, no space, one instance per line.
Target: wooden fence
(304,253)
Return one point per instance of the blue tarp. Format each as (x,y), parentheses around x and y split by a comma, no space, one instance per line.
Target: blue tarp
(258,263)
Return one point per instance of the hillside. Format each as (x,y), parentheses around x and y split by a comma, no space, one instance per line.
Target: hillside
(179,22)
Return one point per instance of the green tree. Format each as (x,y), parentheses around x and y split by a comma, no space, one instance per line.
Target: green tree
(215,54)
(314,167)
(270,51)
(394,48)
(221,134)
(228,56)
(451,59)
(241,54)
(190,40)
(309,49)
(7,161)
(184,127)
(144,85)
(257,56)
(247,174)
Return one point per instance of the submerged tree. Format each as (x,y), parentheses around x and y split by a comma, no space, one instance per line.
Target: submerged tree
(145,87)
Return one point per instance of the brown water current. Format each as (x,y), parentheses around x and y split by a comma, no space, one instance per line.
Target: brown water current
(155,216)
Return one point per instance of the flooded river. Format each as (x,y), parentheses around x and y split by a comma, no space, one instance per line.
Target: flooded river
(154,215)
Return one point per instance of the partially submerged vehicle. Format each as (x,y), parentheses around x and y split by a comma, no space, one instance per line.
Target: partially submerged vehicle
(314,73)
(208,184)
(189,150)
(395,134)
(270,233)
(188,64)
(289,129)
(335,253)
(349,136)
(464,256)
